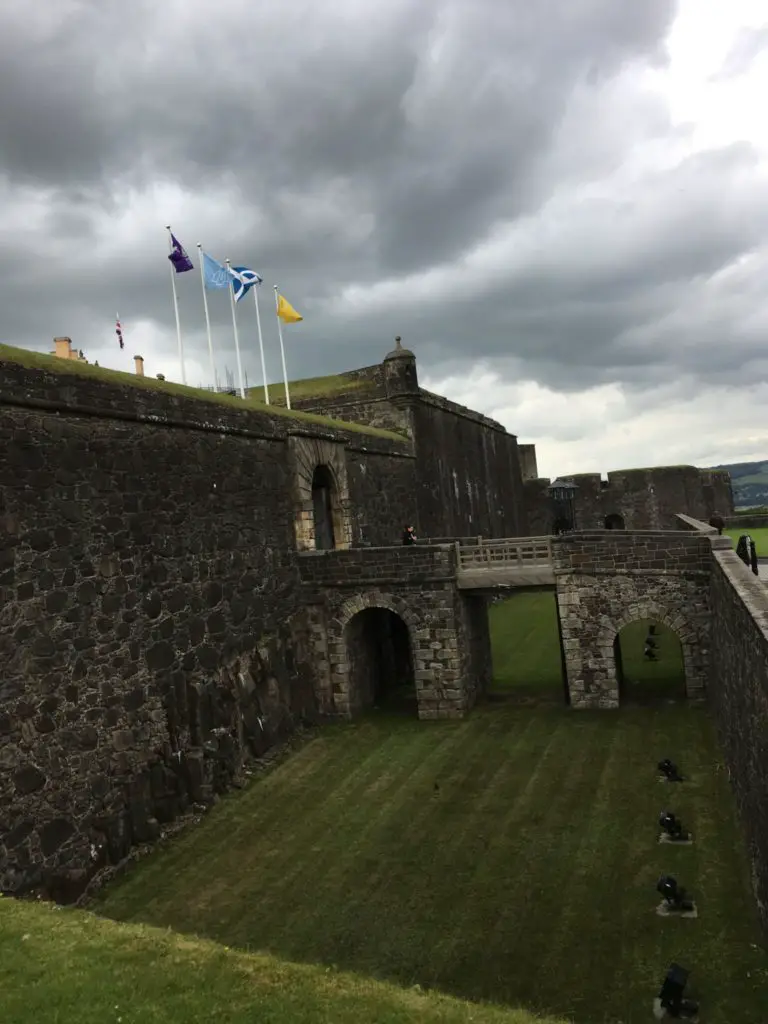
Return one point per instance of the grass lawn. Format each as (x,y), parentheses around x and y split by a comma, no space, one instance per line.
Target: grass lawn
(759,535)
(70,967)
(511,857)
(526,648)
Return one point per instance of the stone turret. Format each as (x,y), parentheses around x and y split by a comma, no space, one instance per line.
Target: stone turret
(400,372)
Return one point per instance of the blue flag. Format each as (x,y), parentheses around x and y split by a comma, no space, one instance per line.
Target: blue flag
(215,274)
(243,280)
(178,257)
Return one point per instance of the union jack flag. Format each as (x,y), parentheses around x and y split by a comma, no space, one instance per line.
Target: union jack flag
(119,332)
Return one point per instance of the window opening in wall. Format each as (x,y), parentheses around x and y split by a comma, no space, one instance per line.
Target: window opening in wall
(323,494)
(649,663)
(381,673)
(614,521)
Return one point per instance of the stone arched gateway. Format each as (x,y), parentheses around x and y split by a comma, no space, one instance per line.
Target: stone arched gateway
(595,611)
(435,626)
(607,579)
(691,643)
(364,620)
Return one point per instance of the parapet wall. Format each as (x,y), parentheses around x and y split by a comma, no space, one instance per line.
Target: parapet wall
(738,693)
(636,499)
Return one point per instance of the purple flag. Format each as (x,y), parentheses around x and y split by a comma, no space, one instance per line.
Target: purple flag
(178,257)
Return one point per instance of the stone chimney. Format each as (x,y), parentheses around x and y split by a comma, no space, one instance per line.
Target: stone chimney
(63,348)
(139,364)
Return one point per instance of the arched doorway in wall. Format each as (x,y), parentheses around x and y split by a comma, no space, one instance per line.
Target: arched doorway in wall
(324,507)
(648,658)
(380,659)
(614,521)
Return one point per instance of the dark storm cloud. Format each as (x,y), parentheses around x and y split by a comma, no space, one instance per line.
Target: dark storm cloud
(355,142)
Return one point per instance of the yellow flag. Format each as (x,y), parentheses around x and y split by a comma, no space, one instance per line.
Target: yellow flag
(286,312)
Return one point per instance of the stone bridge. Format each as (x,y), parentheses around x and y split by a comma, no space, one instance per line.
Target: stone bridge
(420,612)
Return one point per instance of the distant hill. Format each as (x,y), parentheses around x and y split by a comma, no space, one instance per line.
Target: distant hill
(750,483)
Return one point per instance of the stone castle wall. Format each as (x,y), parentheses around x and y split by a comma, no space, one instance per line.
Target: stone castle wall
(468,470)
(738,694)
(644,499)
(152,634)
(606,580)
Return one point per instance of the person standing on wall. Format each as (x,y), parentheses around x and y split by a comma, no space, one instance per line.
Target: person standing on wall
(409,535)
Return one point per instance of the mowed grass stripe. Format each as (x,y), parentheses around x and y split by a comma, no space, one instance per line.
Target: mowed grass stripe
(463,860)
(514,900)
(293,781)
(399,861)
(599,897)
(232,828)
(391,931)
(367,824)
(526,648)
(257,855)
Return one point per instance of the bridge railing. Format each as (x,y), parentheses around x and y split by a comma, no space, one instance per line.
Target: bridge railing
(524,552)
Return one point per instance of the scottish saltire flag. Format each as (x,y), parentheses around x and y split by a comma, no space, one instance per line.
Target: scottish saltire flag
(243,280)
(215,274)
(119,332)
(178,257)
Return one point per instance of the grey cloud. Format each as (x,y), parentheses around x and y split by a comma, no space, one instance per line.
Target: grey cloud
(750,44)
(417,128)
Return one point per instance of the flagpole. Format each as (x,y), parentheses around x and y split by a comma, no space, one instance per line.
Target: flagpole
(207,317)
(176,307)
(234,326)
(261,343)
(282,348)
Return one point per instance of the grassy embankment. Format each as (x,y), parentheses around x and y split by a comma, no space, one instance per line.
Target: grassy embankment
(315,387)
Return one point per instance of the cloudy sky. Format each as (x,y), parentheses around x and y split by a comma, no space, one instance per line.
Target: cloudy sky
(561,206)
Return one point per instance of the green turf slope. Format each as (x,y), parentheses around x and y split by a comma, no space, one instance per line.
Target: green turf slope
(70,967)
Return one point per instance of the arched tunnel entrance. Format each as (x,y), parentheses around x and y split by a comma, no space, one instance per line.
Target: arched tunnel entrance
(649,663)
(380,658)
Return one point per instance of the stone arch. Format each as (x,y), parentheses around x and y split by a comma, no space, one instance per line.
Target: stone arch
(310,456)
(614,521)
(345,701)
(678,622)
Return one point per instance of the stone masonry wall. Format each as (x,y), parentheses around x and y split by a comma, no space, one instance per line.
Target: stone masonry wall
(738,694)
(646,499)
(468,474)
(417,583)
(606,580)
(151,633)
(360,397)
